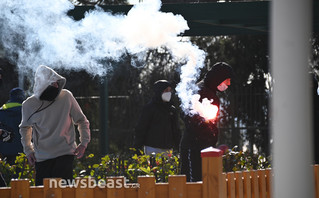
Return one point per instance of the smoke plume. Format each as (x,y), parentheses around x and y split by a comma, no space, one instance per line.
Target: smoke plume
(40,32)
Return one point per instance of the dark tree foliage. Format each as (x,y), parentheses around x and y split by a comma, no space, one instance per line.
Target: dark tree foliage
(9,80)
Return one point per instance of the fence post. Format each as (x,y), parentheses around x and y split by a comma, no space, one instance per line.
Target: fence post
(177,186)
(118,189)
(52,188)
(20,188)
(212,170)
(147,187)
(316,176)
(84,188)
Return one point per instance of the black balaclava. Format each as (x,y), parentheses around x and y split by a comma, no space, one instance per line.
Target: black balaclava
(50,93)
(158,88)
(217,74)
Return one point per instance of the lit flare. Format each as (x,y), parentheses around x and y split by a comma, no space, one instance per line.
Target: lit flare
(205,109)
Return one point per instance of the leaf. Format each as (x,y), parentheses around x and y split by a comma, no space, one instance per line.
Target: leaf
(145,170)
(90,156)
(95,165)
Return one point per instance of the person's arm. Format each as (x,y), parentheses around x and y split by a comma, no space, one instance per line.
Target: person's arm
(83,127)
(26,137)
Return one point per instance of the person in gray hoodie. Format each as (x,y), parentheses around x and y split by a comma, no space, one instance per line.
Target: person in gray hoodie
(47,127)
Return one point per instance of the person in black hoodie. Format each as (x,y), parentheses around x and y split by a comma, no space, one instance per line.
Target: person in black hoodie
(200,133)
(157,129)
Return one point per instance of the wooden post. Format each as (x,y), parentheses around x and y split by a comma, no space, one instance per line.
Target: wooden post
(262,183)
(316,176)
(247,184)
(212,169)
(239,184)
(224,186)
(20,188)
(52,187)
(254,184)
(147,187)
(117,190)
(231,193)
(269,182)
(177,186)
(84,188)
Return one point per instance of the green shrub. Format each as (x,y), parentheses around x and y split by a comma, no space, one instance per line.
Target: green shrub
(134,164)
(239,161)
(20,170)
(131,166)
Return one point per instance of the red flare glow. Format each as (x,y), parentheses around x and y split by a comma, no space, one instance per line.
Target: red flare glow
(205,109)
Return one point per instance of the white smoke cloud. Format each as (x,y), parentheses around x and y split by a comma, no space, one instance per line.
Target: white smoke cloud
(40,32)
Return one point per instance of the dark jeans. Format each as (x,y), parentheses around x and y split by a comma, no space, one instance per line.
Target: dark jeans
(59,167)
(191,164)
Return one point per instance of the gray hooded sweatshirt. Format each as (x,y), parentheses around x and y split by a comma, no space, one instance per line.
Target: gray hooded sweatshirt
(47,127)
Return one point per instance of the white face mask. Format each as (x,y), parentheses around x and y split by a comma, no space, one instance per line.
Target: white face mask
(166,96)
(222,87)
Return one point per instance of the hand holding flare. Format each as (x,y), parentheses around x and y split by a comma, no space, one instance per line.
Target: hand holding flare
(205,109)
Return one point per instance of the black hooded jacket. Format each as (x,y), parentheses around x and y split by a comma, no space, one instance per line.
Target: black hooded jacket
(158,123)
(201,134)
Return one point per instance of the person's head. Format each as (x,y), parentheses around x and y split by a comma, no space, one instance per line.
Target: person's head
(48,84)
(219,77)
(17,95)
(163,89)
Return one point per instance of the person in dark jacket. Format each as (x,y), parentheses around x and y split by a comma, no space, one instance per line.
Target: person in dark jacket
(10,118)
(157,129)
(200,133)
(5,136)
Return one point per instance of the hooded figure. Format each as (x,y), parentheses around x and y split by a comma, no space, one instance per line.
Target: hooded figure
(10,118)
(47,127)
(200,134)
(157,128)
